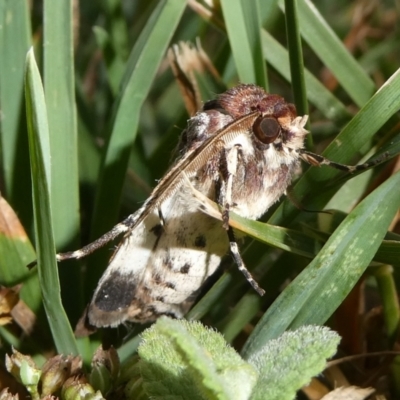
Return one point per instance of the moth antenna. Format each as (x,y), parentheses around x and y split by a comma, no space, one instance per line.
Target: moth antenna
(118,229)
(318,160)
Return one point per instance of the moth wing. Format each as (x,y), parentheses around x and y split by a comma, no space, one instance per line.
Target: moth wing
(160,265)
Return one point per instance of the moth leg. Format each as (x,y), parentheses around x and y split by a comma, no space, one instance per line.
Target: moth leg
(234,249)
(318,160)
(206,206)
(228,173)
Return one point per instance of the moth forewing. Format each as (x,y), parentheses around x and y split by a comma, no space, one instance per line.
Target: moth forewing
(153,272)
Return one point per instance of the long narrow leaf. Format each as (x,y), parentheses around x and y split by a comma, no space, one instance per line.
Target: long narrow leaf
(39,150)
(60,101)
(14,43)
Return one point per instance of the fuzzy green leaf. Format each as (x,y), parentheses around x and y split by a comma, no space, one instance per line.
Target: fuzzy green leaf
(288,363)
(185,360)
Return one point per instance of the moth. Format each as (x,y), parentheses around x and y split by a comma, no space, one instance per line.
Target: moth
(241,151)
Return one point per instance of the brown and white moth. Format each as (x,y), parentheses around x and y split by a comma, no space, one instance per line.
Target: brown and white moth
(241,151)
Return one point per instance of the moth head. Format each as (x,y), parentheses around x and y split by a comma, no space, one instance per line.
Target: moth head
(277,122)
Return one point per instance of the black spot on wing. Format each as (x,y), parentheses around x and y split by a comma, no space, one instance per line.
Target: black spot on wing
(170,285)
(185,269)
(156,278)
(116,292)
(157,230)
(168,262)
(200,241)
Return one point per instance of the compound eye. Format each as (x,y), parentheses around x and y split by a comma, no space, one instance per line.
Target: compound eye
(266,129)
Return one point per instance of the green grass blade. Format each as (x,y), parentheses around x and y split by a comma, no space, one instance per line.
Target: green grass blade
(353,142)
(389,253)
(242,314)
(58,80)
(329,48)
(39,149)
(141,69)
(210,299)
(304,244)
(243,25)
(14,43)
(269,12)
(115,65)
(390,302)
(317,291)
(59,87)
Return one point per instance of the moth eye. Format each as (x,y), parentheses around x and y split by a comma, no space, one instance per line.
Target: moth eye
(266,129)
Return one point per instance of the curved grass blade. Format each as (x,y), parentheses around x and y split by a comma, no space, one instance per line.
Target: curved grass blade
(39,150)
(319,289)
(303,243)
(286,239)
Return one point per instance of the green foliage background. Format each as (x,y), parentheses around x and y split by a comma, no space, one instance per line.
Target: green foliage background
(103,130)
